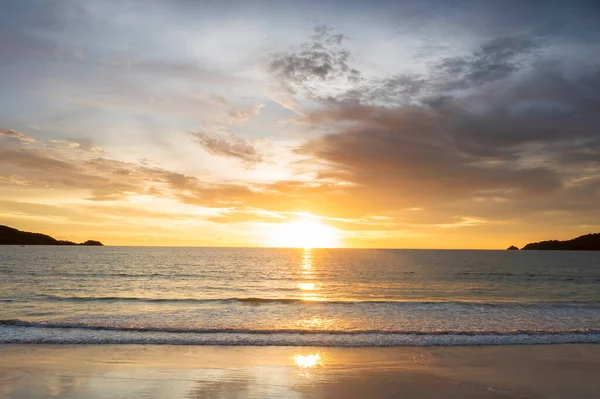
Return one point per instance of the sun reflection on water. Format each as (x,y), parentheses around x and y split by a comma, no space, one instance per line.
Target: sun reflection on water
(306,286)
(307,273)
(307,259)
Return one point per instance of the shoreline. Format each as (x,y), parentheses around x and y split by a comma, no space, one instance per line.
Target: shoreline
(155,371)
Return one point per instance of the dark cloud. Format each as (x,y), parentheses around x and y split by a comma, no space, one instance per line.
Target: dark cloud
(405,153)
(494,60)
(546,110)
(321,59)
(402,86)
(582,153)
(502,126)
(228,145)
(523,141)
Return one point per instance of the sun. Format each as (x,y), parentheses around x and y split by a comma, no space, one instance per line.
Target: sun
(307,232)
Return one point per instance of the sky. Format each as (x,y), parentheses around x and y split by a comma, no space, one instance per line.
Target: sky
(383,124)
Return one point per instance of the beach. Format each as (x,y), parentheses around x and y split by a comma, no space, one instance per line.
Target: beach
(150,371)
(120,322)
(299,199)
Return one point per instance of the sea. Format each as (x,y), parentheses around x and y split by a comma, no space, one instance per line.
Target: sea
(297,297)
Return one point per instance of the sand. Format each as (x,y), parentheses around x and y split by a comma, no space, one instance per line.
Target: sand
(138,371)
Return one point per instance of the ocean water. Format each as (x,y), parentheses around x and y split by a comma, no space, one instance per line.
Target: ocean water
(322,297)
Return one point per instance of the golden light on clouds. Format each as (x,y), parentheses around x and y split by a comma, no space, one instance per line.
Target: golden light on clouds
(387,158)
(306,232)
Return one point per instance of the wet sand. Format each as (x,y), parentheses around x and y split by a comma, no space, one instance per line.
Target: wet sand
(138,371)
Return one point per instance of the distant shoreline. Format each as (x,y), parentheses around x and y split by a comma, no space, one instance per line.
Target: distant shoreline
(12,236)
(588,242)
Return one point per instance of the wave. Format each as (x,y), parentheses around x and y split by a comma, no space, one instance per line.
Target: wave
(39,324)
(170,276)
(191,300)
(258,301)
(23,331)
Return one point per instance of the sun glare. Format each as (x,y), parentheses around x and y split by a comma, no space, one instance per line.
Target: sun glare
(306,286)
(308,361)
(304,233)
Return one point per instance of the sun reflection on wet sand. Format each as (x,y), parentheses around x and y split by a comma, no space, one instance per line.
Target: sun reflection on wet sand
(308,361)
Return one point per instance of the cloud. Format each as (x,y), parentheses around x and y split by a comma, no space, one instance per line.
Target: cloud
(104,179)
(247,215)
(517,135)
(493,122)
(322,59)
(383,179)
(244,113)
(13,180)
(86,211)
(13,134)
(77,145)
(494,60)
(37,167)
(41,165)
(228,145)
(406,154)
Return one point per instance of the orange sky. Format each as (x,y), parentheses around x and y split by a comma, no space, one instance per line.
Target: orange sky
(300,125)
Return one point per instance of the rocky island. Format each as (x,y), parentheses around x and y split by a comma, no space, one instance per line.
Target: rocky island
(10,236)
(588,242)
